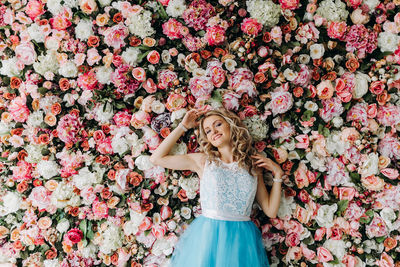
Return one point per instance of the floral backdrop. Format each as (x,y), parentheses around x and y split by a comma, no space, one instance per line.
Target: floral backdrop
(90,88)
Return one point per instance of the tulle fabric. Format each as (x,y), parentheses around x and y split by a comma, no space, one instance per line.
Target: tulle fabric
(219,243)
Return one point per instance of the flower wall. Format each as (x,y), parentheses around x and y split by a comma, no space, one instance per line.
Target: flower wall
(90,88)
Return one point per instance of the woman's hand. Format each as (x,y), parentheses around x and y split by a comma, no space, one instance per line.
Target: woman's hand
(190,118)
(268,164)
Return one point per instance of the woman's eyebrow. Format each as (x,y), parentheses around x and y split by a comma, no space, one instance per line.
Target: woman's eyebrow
(213,123)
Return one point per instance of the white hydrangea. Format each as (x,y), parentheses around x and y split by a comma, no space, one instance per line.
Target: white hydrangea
(333,10)
(47,168)
(265,11)
(104,3)
(372,4)
(258,128)
(388,41)
(106,115)
(71,3)
(130,55)
(336,247)
(54,6)
(46,63)
(11,203)
(103,74)
(84,29)
(89,251)
(68,69)
(51,263)
(112,239)
(316,162)
(140,24)
(34,153)
(176,8)
(9,67)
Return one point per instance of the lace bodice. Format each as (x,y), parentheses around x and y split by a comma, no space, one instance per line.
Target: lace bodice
(227,191)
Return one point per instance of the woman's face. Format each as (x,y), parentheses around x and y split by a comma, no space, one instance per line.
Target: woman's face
(217,130)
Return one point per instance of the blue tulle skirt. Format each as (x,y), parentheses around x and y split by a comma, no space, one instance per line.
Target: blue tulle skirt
(218,243)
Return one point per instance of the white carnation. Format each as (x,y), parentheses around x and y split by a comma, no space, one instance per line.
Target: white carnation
(388,41)
(47,169)
(9,67)
(325,214)
(140,24)
(103,74)
(71,3)
(84,29)
(265,11)
(68,70)
(333,10)
(130,55)
(112,239)
(337,121)
(89,251)
(176,8)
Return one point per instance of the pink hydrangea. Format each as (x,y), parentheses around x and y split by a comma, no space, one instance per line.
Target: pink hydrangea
(251,26)
(173,29)
(215,35)
(361,40)
(198,13)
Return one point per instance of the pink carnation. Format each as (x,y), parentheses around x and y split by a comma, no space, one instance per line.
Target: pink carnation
(215,35)
(251,26)
(289,4)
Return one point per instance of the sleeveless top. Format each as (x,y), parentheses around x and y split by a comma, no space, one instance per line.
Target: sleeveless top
(227,191)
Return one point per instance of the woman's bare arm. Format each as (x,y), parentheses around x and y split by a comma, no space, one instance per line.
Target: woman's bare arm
(269,202)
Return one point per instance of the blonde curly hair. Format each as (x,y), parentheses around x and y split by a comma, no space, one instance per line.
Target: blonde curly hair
(241,140)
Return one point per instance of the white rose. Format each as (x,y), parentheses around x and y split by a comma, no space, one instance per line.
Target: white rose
(165,56)
(289,74)
(157,107)
(325,214)
(361,85)
(310,105)
(317,51)
(337,122)
(186,212)
(230,65)
(63,225)
(357,17)
(370,165)
(143,163)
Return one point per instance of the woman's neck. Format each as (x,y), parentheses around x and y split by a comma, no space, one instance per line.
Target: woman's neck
(226,154)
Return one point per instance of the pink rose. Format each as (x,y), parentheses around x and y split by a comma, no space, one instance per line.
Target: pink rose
(153,57)
(373,183)
(139,74)
(304,141)
(371,111)
(74,235)
(300,176)
(146,224)
(159,230)
(324,255)
(25,53)
(251,26)
(308,253)
(34,9)
(385,261)
(215,35)
(390,173)
(292,239)
(60,22)
(325,89)
(347,193)
(92,56)
(336,29)
(377,87)
(349,261)
(319,234)
(88,81)
(302,215)
(150,86)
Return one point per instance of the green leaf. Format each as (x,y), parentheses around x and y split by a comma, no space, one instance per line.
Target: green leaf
(355,177)
(83,227)
(307,115)
(342,206)
(380,239)
(162,12)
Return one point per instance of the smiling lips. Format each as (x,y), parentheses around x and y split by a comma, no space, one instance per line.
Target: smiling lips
(217,136)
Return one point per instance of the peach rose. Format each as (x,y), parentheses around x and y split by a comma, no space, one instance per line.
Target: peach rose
(44,223)
(390,173)
(280,155)
(153,57)
(300,176)
(325,89)
(88,6)
(139,74)
(373,183)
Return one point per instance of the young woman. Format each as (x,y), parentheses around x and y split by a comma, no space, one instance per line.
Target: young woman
(231,178)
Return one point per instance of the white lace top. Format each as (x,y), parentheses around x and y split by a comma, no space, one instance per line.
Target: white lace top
(227,191)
